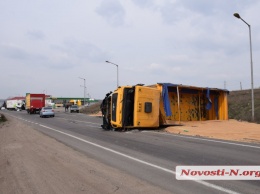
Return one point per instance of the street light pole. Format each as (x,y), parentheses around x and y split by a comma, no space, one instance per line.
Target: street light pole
(84,88)
(251,61)
(116,70)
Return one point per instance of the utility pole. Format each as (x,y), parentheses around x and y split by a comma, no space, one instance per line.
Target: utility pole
(251,62)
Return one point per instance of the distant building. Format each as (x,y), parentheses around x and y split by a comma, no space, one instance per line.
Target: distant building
(61,101)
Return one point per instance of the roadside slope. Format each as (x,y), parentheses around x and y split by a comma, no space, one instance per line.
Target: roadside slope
(240,105)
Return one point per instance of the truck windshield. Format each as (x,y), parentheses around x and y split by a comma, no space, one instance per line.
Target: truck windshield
(128,107)
(114,106)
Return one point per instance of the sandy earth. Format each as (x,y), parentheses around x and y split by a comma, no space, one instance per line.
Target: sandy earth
(227,130)
(31,162)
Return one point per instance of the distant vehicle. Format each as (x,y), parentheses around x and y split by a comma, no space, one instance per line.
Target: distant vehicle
(34,102)
(47,112)
(74,108)
(16,103)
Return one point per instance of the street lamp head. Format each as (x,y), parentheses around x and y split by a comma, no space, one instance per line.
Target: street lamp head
(237,15)
(117,69)
(82,78)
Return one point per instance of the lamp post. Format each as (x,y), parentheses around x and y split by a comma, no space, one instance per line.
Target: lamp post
(84,88)
(116,70)
(251,61)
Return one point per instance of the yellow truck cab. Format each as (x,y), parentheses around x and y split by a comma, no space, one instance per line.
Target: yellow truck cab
(131,107)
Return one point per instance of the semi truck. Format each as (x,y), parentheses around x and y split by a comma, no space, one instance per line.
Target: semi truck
(34,102)
(152,106)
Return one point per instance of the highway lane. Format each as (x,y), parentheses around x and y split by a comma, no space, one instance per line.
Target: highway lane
(151,156)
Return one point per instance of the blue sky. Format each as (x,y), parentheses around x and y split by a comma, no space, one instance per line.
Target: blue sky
(45,46)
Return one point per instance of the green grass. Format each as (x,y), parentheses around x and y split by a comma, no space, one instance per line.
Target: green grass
(240,105)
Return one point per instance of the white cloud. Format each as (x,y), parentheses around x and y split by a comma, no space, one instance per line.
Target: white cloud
(112,11)
(36,35)
(13,52)
(180,41)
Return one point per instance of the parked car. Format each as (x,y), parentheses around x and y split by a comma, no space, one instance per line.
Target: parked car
(74,108)
(47,112)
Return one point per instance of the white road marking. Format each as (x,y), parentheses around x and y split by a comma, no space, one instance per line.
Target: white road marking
(142,161)
(210,140)
(163,133)
(213,186)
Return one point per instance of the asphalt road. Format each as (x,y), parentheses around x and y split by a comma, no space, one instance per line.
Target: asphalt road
(150,155)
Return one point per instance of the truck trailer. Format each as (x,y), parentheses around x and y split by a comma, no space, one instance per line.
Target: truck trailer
(34,102)
(15,103)
(162,104)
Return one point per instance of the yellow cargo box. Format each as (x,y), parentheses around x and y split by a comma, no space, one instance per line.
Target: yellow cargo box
(189,103)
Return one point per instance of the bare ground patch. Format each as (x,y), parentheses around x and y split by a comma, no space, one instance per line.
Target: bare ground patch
(227,130)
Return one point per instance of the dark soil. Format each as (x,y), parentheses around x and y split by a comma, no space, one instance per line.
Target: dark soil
(240,105)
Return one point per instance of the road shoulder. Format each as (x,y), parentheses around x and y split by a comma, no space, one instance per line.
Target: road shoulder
(32,162)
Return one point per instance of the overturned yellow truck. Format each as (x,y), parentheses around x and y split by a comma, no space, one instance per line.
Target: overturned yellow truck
(141,106)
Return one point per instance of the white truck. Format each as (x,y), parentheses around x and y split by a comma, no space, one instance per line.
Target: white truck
(16,103)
